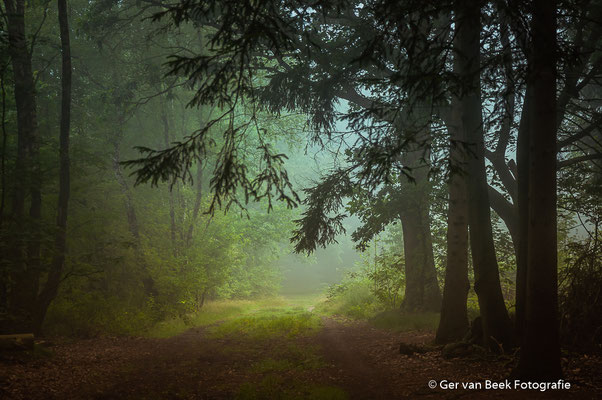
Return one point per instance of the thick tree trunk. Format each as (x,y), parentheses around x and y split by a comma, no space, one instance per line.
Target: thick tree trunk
(415,259)
(50,289)
(422,291)
(497,328)
(453,323)
(540,350)
(25,246)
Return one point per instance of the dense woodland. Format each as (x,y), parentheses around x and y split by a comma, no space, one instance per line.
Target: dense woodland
(402,158)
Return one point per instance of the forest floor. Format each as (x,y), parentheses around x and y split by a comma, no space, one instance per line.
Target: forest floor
(287,352)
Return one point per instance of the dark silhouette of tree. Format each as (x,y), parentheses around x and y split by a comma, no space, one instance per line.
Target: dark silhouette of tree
(540,350)
(24,244)
(50,289)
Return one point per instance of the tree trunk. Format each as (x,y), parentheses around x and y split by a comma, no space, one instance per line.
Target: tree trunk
(4,275)
(3,155)
(24,258)
(540,350)
(50,289)
(422,291)
(453,323)
(497,329)
(421,288)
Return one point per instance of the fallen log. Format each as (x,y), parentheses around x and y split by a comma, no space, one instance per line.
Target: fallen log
(21,341)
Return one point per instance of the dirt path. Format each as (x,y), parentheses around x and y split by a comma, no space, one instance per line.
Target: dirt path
(346,347)
(343,360)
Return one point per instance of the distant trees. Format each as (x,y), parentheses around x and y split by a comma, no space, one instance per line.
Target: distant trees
(110,269)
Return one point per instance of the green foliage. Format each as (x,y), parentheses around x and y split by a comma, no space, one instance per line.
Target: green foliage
(388,278)
(377,286)
(352,298)
(580,295)
(89,314)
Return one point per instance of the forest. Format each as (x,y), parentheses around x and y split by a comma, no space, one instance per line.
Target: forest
(301,199)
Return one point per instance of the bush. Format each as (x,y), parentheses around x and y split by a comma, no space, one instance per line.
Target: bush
(580,297)
(388,279)
(352,298)
(93,315)
(377,287)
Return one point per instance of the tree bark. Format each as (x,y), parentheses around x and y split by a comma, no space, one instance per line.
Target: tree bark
(421,288)
(4,273)
(497,329)
(3,155)
(24,257)
(422,291)
(51,286)
(540,350)
(453,323)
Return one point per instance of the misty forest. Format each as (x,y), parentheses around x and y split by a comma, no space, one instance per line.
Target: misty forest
(290,199)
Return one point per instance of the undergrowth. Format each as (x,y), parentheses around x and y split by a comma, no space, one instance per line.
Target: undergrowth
(355,298)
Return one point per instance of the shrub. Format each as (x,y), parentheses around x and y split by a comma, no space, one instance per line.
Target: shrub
(580,297)
(352,298)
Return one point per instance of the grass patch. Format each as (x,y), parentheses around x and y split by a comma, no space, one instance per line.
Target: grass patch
(267,324)
(397,321)
(213,312)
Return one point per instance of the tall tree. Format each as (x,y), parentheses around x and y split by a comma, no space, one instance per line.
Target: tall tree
(25,257)
(453,322)
(51,286)
(497,328)
(540,350)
